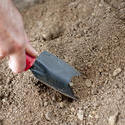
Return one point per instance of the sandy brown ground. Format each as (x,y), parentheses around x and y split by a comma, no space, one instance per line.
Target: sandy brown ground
(89,35)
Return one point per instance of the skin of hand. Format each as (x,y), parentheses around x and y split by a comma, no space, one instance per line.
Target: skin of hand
(13,38)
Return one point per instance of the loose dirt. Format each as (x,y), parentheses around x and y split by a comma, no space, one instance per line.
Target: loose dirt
(89,35)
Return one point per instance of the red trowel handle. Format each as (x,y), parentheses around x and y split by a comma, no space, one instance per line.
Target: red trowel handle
(29,61)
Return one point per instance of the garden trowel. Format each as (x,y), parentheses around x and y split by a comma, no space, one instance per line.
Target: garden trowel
(52,72)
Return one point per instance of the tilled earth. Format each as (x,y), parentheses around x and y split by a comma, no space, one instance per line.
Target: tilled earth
(89,35)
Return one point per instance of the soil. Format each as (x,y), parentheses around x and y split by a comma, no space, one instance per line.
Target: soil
(89,35)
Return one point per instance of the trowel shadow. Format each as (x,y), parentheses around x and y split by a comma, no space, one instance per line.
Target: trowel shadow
(51,93)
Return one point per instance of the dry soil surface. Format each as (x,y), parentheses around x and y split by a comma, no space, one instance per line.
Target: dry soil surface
(89,35)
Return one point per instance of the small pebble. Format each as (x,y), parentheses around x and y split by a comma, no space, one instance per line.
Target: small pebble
(48,116)
(117,72)
(96,116)
(46,36)
(52,32)
(88,83)
(41,115)
(45,104)
(80,115)
(54,98)
(71,84)
(100,5)
(4,100)
(72,109)
(113,119)
(61,105)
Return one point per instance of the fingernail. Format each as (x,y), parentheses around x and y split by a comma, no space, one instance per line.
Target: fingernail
(35,52)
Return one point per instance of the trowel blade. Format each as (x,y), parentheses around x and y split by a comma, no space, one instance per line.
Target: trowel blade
(54,73)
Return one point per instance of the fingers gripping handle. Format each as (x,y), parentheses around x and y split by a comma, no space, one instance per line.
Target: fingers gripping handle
(29,61)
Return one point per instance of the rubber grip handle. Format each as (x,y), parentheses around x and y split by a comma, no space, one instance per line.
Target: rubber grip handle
(29,61)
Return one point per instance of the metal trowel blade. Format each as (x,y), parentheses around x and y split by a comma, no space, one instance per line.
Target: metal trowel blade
(54,73)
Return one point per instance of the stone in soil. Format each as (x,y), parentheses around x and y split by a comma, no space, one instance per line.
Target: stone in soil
(113,119)
(71,84)
(54,31)
(42,115)
(61,105)
(48,116)
(88,83)
(80,114)
(45,104)
(117,72)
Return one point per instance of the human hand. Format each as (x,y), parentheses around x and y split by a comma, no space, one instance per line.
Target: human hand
(13,39)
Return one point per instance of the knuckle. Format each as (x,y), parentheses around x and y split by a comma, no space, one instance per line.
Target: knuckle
(15,46)
(19,46)
(3,53)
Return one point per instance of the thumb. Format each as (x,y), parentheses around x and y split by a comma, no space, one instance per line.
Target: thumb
(30,50)
(17,61)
